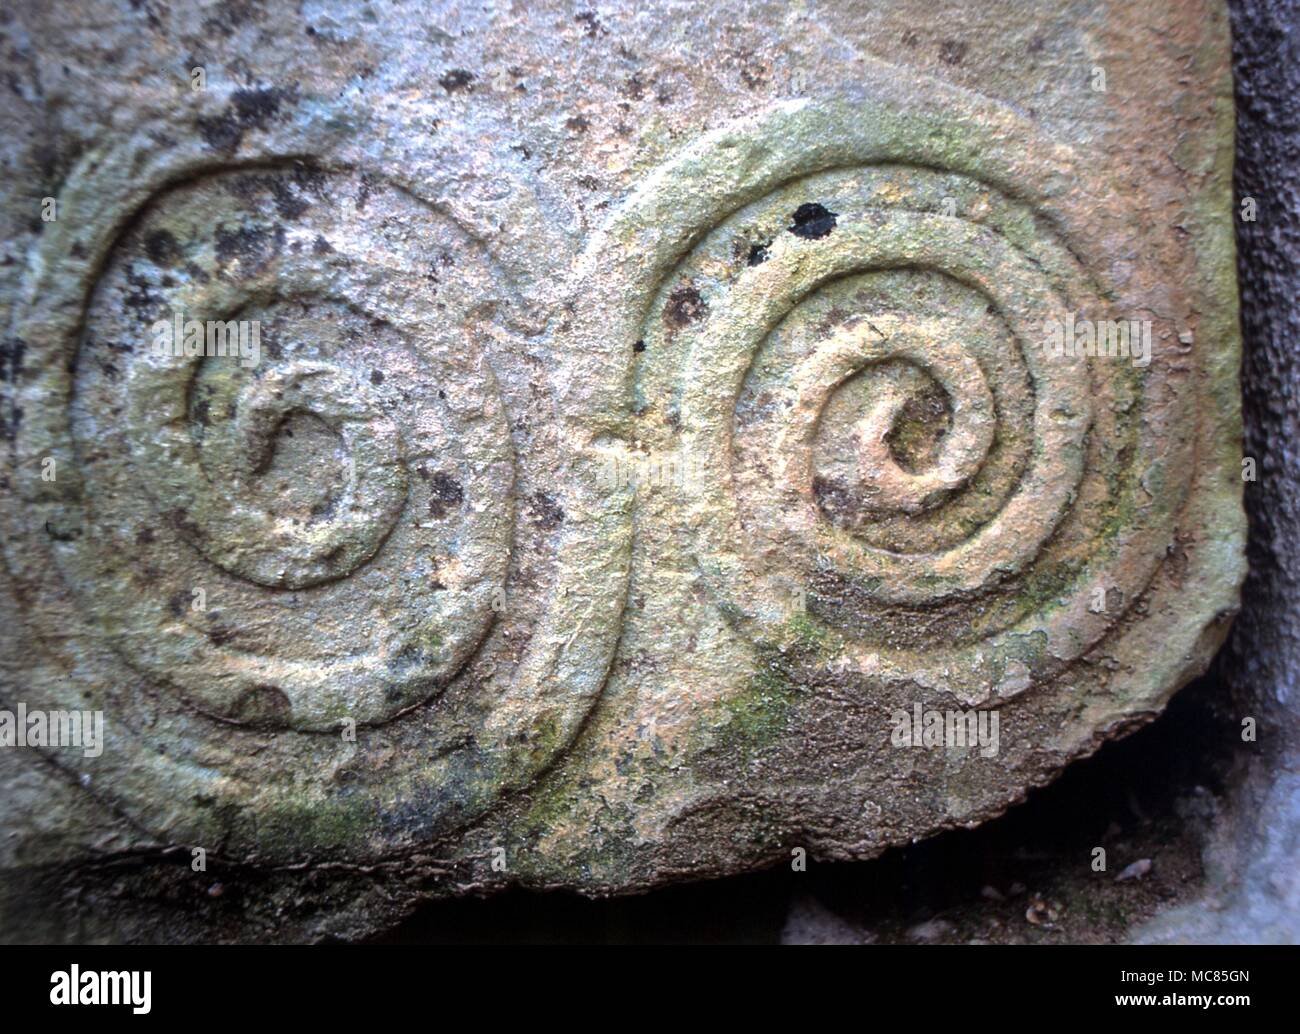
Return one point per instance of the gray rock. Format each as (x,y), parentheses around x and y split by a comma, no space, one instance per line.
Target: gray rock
(1253,857)
(656,443)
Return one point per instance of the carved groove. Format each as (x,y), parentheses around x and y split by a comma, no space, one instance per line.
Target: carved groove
(345,503)
(938,259)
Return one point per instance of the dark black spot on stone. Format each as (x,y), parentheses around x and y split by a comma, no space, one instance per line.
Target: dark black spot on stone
(161,247)
(684,306)
(757,255)
(11,359)
(752,73)
(141,297)
(220,635)
(77,251)
(320,246)
(638,345)
(178,603)
(288,202)
(578,123)
(325,511)
(54,160)
(363,192)
(228,17)
(951,51)
(445,492)
(812,221)
(545,511)
(255,108)
(62,534)
(308,177)
(591,24)
(253,246)
(180,520)
(248,109)
(634,87)
(456,80)
(12,422)
(376,376)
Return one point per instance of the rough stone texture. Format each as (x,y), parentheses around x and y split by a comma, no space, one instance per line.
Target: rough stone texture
(650,407)
(1253,860)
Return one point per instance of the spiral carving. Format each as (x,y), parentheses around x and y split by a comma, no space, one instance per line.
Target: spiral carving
(300,547)
(841,334)
(393,433)
(831,314)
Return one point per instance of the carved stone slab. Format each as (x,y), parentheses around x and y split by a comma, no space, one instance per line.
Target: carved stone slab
(659,450)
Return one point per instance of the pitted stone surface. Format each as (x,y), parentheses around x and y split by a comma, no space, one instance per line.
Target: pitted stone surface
(314,538)
(633,437)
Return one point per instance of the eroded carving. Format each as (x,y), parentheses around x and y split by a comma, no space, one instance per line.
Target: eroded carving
(916,310)
(304,544)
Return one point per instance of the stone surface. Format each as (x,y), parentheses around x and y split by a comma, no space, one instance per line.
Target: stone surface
(650,408)
(1253,858)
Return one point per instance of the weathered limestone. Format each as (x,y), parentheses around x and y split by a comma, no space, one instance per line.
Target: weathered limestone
(648,432)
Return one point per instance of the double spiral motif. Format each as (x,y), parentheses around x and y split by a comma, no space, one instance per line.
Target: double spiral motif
(832,313)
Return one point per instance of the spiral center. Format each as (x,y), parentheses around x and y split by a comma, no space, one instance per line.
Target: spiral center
(304,469)
(918,428)
(905,420)
(882,432)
